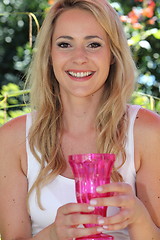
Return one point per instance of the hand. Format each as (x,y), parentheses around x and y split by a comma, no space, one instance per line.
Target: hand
(131,208)
(69,217)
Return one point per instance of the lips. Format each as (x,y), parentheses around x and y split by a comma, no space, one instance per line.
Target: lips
(80,74)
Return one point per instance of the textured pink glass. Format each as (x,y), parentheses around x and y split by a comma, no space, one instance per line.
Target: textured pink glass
(90,171)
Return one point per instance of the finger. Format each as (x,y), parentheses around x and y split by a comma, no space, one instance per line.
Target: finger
(115,201)
(122,216)
(117,226)
(81,232)
(115,187)
(75,207)
(77,219)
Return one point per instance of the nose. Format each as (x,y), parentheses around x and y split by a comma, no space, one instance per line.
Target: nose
(80,56)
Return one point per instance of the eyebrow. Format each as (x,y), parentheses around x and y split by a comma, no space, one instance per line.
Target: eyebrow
(86,38)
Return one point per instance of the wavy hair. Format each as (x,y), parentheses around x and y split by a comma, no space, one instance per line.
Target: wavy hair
(111,122)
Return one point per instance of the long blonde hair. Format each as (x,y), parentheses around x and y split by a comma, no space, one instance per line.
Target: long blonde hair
(111,122)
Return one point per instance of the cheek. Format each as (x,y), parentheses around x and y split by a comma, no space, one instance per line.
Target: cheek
(55,62)
(56,71)
(103,58)
(55,67)
(105,68)
(58,60)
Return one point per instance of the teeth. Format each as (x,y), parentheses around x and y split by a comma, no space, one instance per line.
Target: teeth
(80,74)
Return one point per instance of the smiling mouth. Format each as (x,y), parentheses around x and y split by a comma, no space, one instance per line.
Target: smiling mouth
(80,74)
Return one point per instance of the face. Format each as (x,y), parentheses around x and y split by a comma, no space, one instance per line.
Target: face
(80,54)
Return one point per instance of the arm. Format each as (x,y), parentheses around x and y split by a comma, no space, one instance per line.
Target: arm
(15,221)
(14,218)
(147,143)
(139,213)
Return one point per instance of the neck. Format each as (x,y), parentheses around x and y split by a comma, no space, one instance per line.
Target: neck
(79,113)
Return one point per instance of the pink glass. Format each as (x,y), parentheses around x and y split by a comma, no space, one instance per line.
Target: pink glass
(90,171)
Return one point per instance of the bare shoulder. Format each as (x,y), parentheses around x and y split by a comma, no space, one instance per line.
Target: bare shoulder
(147,124)
(13,132)
(146,135)
(15,221)
(12,140)
(14,125)
(147,156)
(147,118)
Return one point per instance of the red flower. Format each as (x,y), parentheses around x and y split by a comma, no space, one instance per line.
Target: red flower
(149,11)
(152,20)
(137,26)
(134,15)
(137,14)
(124,18)
(50,2)
(152,4)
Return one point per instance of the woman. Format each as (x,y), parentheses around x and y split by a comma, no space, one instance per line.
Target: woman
(81,77)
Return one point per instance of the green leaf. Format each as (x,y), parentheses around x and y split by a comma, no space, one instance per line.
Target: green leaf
(157,34)
(135,39)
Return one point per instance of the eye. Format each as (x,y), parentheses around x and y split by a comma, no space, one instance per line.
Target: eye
(64,45)
(94,45)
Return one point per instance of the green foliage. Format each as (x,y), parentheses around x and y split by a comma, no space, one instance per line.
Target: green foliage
(23,58)
(19,24)
(141,21)
(146,101)
(10,106)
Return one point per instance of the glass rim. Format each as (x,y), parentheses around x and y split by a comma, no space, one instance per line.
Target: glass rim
(91,156)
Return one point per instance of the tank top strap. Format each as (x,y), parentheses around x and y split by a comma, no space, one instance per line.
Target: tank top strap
(128,170)
(132,114)
(33,165)
(28,123)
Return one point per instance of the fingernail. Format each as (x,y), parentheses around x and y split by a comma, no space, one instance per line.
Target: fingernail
(100,221)
(100,229)
(91,208)
(99,189)
(93,202)
(105,227)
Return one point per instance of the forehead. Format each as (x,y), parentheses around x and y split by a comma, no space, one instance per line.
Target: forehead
(76,21)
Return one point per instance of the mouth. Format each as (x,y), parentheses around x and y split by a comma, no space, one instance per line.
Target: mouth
(80,74)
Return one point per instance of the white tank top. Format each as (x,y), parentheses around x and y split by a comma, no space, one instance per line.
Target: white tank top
(62,190)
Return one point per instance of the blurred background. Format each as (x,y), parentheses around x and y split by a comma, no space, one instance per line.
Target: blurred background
(20,22)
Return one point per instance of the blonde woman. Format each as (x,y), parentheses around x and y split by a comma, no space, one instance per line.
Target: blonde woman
(81,78)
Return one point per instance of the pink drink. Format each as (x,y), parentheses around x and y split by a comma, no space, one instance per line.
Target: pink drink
(91,171)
